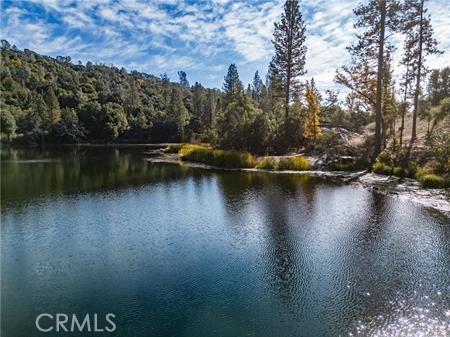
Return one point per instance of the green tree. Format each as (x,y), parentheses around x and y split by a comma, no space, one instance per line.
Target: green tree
(242,126)
(257,87)
(183,79)
(420,42)
(178,113)
(232,85)
(8,123)
(113,120)
(199,119)
(68,130)
(290,49)
(375,19)
(53,105)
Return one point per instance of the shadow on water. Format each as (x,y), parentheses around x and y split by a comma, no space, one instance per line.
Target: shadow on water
(30,174)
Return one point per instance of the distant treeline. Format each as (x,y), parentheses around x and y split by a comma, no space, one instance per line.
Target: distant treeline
(50,98)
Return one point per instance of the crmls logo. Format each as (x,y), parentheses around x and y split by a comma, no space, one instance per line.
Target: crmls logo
(71,323)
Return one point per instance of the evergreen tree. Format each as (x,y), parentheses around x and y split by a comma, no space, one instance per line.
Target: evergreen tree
(434,86)
(53,105)
(376,18)
(445,82)
(406,83)
(211,106)
(8,122)
(257,87)
(232,85)
(183,79)
(290,49)
(198,120)
(420,42)
(178,113)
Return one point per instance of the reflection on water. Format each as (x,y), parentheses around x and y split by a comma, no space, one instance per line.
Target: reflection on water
(174,251)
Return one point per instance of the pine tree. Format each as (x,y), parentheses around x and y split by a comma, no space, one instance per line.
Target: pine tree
(211,105)
(420,42)
(257,87)
(178,112)
(434,87)
(232,85)
(198,121)
(53,105)
(389,111)
(290,49)
(183,79)
(377,17)
(406,83)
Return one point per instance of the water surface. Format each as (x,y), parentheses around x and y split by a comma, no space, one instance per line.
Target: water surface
(176,251)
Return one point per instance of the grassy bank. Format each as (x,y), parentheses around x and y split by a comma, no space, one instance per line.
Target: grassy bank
(427,178)
(232,159)
(220,158)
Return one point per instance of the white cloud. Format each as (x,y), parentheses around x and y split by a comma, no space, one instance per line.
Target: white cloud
(190,35)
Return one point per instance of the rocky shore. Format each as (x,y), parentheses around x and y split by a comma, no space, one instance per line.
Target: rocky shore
(402,188)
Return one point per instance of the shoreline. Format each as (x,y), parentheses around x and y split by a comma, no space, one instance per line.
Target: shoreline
(402,188)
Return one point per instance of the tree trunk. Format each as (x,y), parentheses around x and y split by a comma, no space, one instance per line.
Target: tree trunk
(405,95)
(287,96)
(378,107)
(419,70)
(394,138)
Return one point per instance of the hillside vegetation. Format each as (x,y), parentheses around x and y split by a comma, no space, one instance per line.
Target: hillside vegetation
(44,97)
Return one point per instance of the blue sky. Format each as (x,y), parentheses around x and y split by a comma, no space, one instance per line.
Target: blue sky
(199,37)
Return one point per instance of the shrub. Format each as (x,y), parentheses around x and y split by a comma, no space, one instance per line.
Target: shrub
(344,166)
(220,158)
(399,171)
(433,181)
(266,164)
(386,158)
(295,164)
(381,168)
(174,148)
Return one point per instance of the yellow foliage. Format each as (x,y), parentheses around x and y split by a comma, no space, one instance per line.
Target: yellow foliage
(312,127)
(16,62)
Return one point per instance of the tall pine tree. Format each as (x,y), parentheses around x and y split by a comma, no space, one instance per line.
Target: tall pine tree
(376,18)
(178,113)
(257,87)
(183,79)
(232,85)
(420,42)
(290,49)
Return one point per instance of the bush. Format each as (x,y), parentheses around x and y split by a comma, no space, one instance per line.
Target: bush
(174,148)
(430,180)
(381,168)
(266,164)
(220,158)
(433,181)
(399,171)
(344,166)
(295,164)
(386,158)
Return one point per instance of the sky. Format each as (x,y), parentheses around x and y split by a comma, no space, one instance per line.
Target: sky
(201,38)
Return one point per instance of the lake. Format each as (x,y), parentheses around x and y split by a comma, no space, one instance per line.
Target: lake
(179,251)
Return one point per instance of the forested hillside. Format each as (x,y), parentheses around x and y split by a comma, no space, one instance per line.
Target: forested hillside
(43,97)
